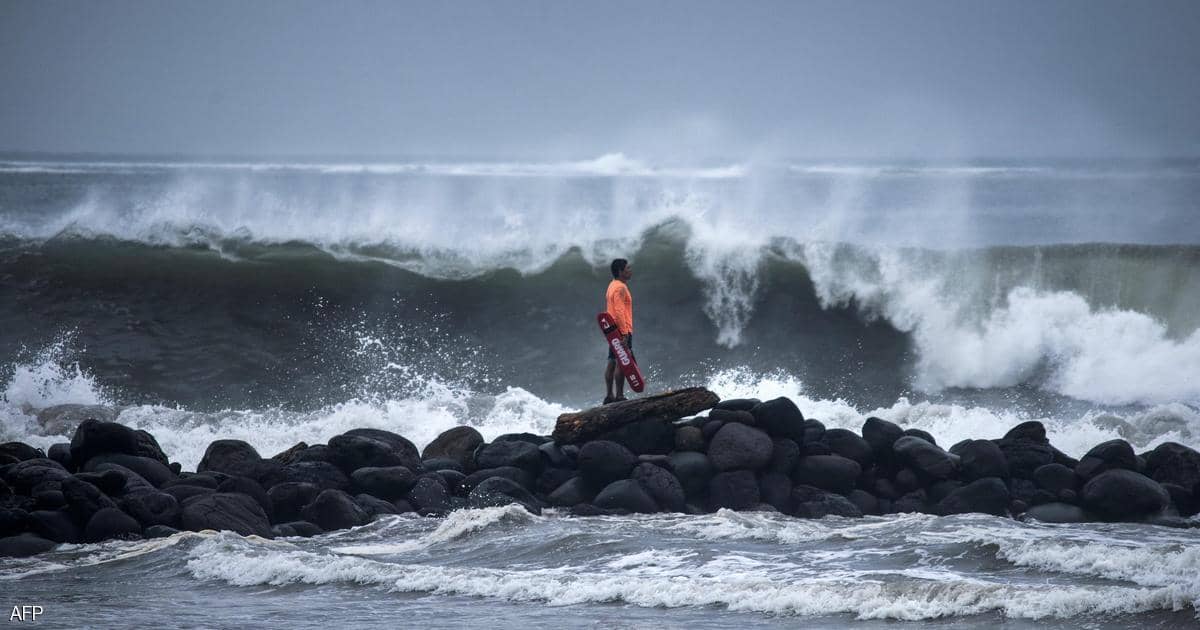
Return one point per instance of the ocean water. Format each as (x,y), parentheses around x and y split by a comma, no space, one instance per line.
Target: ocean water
(280,302)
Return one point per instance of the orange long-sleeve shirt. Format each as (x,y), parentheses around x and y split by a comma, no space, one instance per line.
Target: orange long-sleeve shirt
(620,306)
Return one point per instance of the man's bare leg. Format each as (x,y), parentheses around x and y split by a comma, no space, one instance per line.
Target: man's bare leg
(609,373)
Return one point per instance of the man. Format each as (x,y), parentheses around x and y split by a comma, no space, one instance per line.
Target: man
(620,306)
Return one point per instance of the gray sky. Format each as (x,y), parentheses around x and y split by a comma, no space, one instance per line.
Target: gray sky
(667,81)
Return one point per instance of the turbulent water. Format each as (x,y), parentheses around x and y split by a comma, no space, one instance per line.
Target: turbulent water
(285,302)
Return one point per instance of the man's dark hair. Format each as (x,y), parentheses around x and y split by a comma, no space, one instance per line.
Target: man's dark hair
(618,266)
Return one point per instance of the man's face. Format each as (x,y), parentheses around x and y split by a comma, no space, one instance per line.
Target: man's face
(627,272)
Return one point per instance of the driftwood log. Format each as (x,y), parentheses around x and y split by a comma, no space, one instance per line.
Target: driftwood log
(581,426)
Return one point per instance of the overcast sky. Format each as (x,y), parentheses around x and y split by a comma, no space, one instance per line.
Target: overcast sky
(668,81)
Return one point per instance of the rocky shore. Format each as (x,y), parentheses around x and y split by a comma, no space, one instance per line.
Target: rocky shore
(652,454)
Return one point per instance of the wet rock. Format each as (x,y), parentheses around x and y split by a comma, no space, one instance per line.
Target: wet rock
(457,444)
(625,494)
(732,415)
(733,490)
(1175,463)
(775,489)
(24,545)
(649,435)
(44,474)
(374,507)
(939,490)
(785,454)
(1032,431)
(925,458)
(833,473)
(497,491)
(334,509)
(602,462)
(427,496)
(737,404)
(184,492)
(399,444)
(980,459)
(49,499)
(780,417)
(1110,455)
(56,525)
(148,447)
(1182,498)
(814,431)
(918,433)
(84,499)
(442,463)
(321,474)
(848,444)
(864,501)
(1025,456)
(531,438)
(516,475)
(454,481)
(390,483)
(813,447)
(661,485)
(94,437)
(740,447)
(21,451)
(554,456)
(232,457)
(1057,513)
(13,521)
(61,453)
(151,507)
(552,478)
(226,512)
(689,439)
(288,499)
(1124,495)
(880,435)
(907,480)
(110,523)
(1055,478)
(517,454)
(151,470)
(351,452)
(252,489)
(812,502)
(986,496)
(159,531)
(693,471)
(573,492)
(914,501)
(710,428)
(303,529)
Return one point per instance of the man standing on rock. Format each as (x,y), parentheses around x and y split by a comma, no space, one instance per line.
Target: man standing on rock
(619,304)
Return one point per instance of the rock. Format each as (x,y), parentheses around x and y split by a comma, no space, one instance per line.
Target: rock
(321,474)
(785,454)
(24,545)
(1170,462)
(1110,455)
(49,499)
(661,485)
(1025,456)
(848,444)
(1124,495)
(518,476)
(689,439)
(730,415)
(226,512)
(133,481)
(399,444)
(645,436)
(814,431)
(232,457)
(373,506)
(427,496)
(61,453)
(980,459)
(288,499)
(602,462)
(939,490)
(907,480)
(914,501)
(442,463)
(45,474)
(497,491)
(1057,513)
(390,483)
(291,455)
(918,433)
(94,437)
(811,502)
(351,452)
(552,478)
(986,496)
(12,521)
(148,447)
(252,489)
(781,418)
(885,489)
(573,492)
(457,444)
(111,523)
(184,492)
(925,458)
(334,509)
(554,456)
(625,494)
(151,507)
(21,451)
(775,489)
(865,502)
(159,531)
(84,499)
(694,471)
(1032,431)
(740,447)
(833,473)
(737,404)
(734,490)
(521,455)
(151,470)
(880,435)
(815,448)
(314,453)
(1182,498)
(197,479)
(710,428)
(454,480)
(303,529)
(531,438)
(1055,478)
(56,525)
